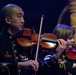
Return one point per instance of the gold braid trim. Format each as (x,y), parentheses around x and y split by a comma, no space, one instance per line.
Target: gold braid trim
(4,67)
(15,55)
(47,64)
(62,63)
(18,72)
(69,73)
(14,51)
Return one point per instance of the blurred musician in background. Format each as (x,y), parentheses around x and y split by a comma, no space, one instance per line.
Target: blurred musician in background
(59,61)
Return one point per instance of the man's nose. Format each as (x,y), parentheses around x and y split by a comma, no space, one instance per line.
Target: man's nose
(22,20)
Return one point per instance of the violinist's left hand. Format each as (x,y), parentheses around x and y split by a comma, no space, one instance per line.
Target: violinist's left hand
(62,45)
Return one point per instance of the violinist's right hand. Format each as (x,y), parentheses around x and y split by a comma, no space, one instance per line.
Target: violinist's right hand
(30,64)
(62,45)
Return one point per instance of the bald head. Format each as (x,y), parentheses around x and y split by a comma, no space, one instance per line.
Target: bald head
(8,10)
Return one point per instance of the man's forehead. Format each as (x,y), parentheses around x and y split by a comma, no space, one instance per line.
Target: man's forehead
(18,10)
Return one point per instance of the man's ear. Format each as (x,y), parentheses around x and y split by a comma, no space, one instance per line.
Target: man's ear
(7,20)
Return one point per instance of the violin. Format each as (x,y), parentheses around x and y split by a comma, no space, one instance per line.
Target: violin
(71,53)
(25,39)
(30,38)
(49,44)
(48,41)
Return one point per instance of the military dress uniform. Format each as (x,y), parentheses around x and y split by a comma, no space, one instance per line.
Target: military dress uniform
(10,55)
(54,67)
(67,65)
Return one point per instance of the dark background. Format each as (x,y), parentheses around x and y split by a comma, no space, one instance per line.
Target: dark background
(33,9)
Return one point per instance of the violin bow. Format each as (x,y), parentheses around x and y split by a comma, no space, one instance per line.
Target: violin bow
(39,37)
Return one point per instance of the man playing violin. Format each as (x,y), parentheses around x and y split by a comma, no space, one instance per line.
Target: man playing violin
(55,61)
(11,60)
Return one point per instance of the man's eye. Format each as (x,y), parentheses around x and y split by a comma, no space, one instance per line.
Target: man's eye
(19,16)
